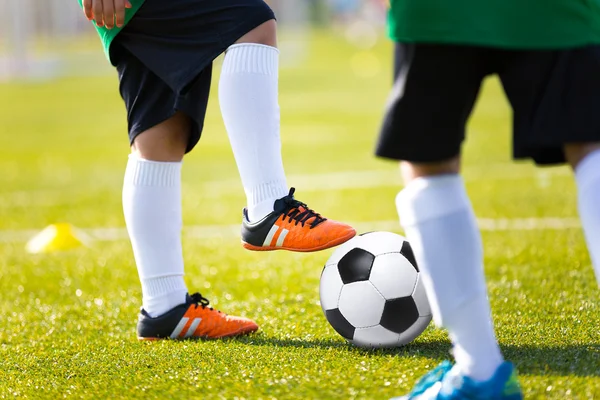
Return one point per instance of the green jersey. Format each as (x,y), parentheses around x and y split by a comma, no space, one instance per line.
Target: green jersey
(512,24)
(107,35)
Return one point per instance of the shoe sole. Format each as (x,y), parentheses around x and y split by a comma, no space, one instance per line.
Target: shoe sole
(333,243)
(239,332)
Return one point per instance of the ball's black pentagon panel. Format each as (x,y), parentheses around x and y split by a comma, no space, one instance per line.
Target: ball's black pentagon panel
(339,323)
(340,251)
(407,252)
(399,314)
(356,265)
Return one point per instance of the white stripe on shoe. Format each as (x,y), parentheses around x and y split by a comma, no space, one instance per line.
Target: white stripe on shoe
(177,331)
(281,238)
(192,329)
(270,235)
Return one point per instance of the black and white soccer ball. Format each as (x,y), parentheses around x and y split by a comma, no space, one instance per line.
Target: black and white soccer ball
(372,293)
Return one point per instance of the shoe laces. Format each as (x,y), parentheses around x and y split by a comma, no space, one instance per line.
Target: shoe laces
(200,301)
(299,212)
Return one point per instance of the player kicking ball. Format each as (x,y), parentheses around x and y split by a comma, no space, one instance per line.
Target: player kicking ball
(547,56)
(163,52)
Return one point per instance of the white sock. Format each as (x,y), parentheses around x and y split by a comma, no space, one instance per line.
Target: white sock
(439,223)
(587,176)
(248,95)
(152,208)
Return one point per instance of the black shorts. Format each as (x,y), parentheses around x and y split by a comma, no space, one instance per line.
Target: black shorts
(164,56)
(554,94)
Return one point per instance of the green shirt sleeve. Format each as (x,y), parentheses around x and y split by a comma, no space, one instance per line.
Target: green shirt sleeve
(108,35)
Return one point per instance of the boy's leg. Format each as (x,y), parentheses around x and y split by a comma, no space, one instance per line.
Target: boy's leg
(248,94)
(434,208)
(159,137)
(556,96)
(585,160)
(152,209)
(436,213)
(439,222)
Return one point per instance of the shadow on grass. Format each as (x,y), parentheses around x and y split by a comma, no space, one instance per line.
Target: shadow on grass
(577,360)
(432,349)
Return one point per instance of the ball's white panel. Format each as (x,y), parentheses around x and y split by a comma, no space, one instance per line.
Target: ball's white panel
(420,297)
(375,337)
(361,304)
(330,287)
(381,242)
(414,331)
(393,275)
(341,251)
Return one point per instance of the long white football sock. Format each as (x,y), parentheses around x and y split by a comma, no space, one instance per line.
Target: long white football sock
(587,176)
(152,208)
(248,95)
(439,223)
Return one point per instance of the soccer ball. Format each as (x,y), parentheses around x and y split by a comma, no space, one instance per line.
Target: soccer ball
(372,293)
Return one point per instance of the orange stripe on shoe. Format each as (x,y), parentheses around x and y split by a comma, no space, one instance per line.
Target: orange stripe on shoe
(186,327)
(275,236)
(192,315)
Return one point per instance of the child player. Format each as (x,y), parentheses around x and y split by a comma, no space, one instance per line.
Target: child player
(163,52)
(547,56)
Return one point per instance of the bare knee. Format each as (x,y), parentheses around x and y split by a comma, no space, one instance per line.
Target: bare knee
(575,152)
(265,33)
(166,141)
(411,170)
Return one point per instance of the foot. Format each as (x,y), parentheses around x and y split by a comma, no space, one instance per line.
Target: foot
(295,227)
(447,383)
(192,320)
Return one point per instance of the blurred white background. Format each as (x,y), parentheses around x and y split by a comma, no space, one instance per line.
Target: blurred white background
(42,39)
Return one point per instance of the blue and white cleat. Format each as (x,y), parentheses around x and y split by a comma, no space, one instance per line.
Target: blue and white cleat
(447,383)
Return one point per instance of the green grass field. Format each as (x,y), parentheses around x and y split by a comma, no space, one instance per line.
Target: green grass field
(67,320)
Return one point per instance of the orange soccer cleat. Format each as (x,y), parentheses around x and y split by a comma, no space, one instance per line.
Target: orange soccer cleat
(193,320)
(295,227)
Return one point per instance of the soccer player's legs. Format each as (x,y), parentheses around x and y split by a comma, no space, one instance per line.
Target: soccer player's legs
(424,125)
(584,158)
(556,96)
(248,95)
(160,135)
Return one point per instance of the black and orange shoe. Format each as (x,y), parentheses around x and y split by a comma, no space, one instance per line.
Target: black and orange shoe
(295,227)
(193,320)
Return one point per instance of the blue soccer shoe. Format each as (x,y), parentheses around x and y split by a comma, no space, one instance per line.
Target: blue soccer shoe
(447,383)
